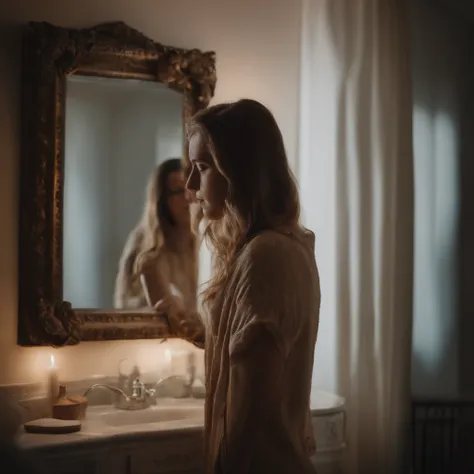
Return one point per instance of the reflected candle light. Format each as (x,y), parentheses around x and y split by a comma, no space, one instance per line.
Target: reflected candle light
(168,363)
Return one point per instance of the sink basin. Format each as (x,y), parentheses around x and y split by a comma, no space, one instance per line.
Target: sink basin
(154,414)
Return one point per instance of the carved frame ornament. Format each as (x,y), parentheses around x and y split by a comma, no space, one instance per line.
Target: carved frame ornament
(49,55)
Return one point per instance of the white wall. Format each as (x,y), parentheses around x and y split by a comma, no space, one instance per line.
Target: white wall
(257,46)
(87,196)
(442,83)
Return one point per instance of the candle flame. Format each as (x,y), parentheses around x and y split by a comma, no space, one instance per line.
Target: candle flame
(52,361)
(168,355)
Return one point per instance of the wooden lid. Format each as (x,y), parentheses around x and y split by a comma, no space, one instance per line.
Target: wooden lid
(52,426)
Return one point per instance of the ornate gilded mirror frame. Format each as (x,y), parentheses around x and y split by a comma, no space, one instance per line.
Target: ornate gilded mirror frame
(50,54)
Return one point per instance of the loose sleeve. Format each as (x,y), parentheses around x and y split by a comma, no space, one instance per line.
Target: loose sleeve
(264,331)
(265,301)
(253,400)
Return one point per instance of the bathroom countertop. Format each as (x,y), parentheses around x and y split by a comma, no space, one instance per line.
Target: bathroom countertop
(95,432)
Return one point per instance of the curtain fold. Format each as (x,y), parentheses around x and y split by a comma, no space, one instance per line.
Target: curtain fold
(356,162)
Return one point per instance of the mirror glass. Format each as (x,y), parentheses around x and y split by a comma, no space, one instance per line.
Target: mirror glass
(117,132)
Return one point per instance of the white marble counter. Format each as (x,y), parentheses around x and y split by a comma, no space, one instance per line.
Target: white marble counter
(326,409)
(94,430)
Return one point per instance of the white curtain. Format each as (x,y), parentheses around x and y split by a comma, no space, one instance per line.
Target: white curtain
(356,178)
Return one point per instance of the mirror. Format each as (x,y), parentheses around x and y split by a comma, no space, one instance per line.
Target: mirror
(101,108)
(116,132)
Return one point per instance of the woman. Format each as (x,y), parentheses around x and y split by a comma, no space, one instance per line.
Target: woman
(263,299)
(159,258)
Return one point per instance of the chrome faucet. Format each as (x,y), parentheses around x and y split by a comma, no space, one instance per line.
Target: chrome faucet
(141,396)
(138,400)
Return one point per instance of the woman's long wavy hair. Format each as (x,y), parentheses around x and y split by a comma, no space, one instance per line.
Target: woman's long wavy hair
(247,147)
(153,230)
(156,222)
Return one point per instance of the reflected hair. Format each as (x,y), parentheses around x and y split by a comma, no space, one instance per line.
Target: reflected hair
(152,232)
(247,148)
(156,222)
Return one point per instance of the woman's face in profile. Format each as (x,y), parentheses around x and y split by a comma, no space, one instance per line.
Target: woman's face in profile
(177,203)
(206,184)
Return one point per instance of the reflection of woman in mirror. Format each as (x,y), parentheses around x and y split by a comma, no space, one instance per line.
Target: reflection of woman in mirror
(159,259)
(263,299)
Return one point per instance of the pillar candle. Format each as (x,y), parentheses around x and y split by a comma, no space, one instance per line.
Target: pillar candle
(53,382)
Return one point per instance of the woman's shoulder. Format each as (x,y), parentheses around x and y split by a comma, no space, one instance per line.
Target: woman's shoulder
(277,274)
(284,244)
(273,255)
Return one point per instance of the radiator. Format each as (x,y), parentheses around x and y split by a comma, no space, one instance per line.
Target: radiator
(442,437)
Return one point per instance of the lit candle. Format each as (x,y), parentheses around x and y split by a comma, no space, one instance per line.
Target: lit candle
(53,382)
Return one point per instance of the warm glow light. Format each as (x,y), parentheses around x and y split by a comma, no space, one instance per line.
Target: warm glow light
(52,361)
(168,355)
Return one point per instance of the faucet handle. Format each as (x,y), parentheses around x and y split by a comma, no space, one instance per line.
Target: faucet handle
(138,389)
(128,373)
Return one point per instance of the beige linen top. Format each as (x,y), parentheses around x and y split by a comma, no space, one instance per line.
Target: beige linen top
(259,358)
